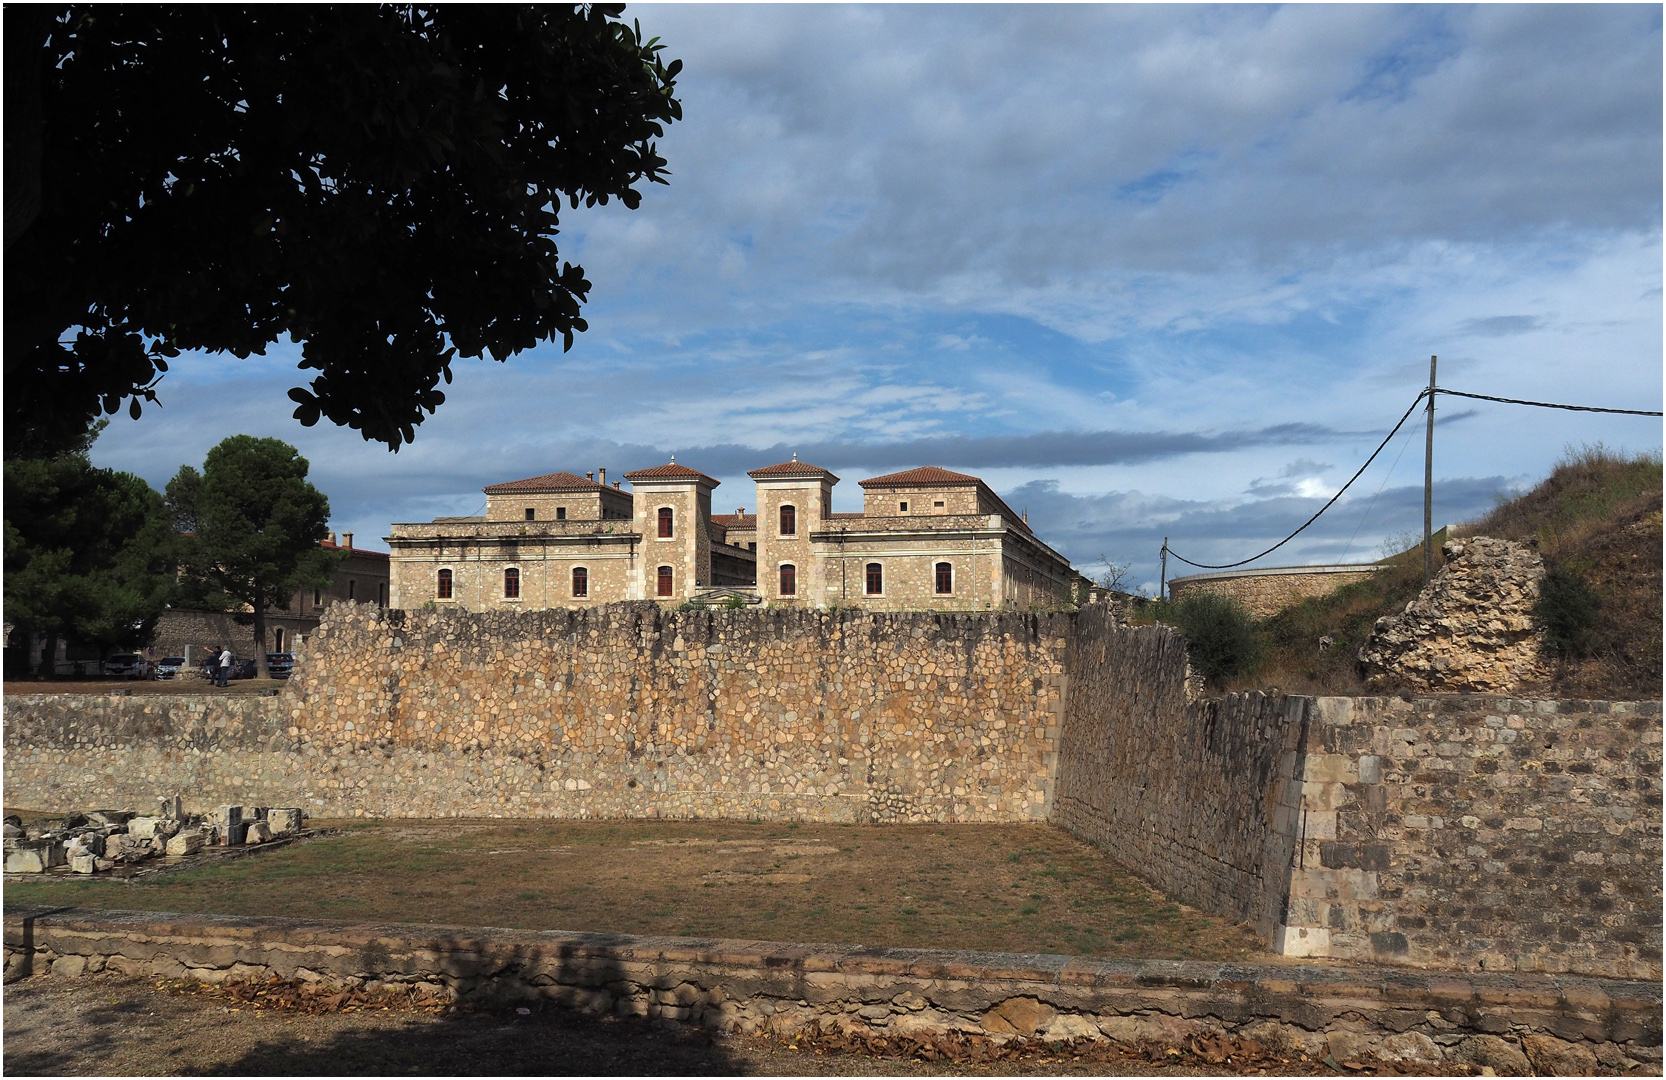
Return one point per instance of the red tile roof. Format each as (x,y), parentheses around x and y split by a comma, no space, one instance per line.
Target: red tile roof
(924,476)
(551,482)
(327,546)
(672,471)
(791,468)
(736,521)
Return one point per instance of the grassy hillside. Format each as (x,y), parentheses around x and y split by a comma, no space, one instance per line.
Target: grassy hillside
(1597,518)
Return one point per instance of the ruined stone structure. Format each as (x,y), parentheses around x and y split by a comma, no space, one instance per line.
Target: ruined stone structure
(1266,591)
(1458,832)
(1471,629)
(926,539)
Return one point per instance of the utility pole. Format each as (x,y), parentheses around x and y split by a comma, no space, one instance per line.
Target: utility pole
(1163,581)
(1429,483)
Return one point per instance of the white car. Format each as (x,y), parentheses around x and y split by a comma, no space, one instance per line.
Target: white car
(126,666)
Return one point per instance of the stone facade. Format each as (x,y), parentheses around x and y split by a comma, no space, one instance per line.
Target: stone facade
(1511,1024)
(1470,629)
(940,541)
(1266,591)
(628,711)
(1482,833)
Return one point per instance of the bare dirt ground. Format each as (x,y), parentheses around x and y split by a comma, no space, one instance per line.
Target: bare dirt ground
(998,888)
(116,1026)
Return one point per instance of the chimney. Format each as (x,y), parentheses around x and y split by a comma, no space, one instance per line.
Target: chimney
(740,511)
(330,537)
(346,539)
(618,485)
(601,477)
(590,476)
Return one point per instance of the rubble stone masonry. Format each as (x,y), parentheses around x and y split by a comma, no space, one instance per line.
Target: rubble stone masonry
(622,711)
(1456,832)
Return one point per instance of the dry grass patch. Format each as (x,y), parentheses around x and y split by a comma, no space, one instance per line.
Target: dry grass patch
(1001,888)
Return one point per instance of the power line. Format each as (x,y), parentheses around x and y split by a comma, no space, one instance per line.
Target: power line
(1544,404)
(1227,566)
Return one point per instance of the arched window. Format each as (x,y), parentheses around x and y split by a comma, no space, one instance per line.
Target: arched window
(789,521)
(945,577)
(581,581)
(511,584)
(665,581)
(442,587)
(665,523)
(876,579)
(789,579)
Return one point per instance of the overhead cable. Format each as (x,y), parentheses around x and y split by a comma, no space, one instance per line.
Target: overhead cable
(1227,566)
(1543,404)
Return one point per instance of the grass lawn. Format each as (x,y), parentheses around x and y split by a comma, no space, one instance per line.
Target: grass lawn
(1002,888)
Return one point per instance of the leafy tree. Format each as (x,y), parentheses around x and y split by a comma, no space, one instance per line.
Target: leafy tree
(1222,639)
(254,524)
(89,553)
(382,184)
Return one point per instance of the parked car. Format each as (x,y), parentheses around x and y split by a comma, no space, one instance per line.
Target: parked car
(169,666)
(126,666)
(280,664)
(240,668)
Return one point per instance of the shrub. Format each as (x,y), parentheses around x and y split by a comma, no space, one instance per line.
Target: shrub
(1570,612)
(735,603)
(1221,637)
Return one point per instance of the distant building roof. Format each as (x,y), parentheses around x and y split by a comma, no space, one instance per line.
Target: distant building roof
(550,482)
(328,546)
(924,476)
(736,521)
(789,469)
(671,471)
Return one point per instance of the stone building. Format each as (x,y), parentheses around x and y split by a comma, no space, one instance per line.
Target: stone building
(926,538)
(361,576)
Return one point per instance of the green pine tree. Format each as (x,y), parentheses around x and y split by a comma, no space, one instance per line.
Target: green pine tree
(253,524)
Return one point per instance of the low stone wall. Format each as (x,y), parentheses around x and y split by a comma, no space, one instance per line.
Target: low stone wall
(1266,592)
(1512,1024)
(622,711)
(1481,833)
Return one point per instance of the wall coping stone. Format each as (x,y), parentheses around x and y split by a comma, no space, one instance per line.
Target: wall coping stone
(1307,995)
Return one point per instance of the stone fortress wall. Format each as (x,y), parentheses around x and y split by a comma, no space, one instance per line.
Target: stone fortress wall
(623,711)
(1459,832)
(1266,591)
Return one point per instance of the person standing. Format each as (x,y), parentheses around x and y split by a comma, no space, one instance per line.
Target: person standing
(225,665)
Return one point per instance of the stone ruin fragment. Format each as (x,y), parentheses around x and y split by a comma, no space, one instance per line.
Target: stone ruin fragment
(1470,629)
(99,840)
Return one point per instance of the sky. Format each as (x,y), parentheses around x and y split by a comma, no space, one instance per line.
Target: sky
(1151,272)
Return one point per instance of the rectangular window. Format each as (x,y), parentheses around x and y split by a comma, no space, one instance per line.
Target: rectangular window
(665,581)
(945,578)
(751,545)
(789,580)
(350,590)
(875,579)
(789,521)
(561,513)
(938,505)
(317,598)
(381,594)
(532,513)
(442,587)
(511,584)
(903,506)
(581,581)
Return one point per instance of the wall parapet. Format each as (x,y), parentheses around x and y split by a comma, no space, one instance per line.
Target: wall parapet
(752,985)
